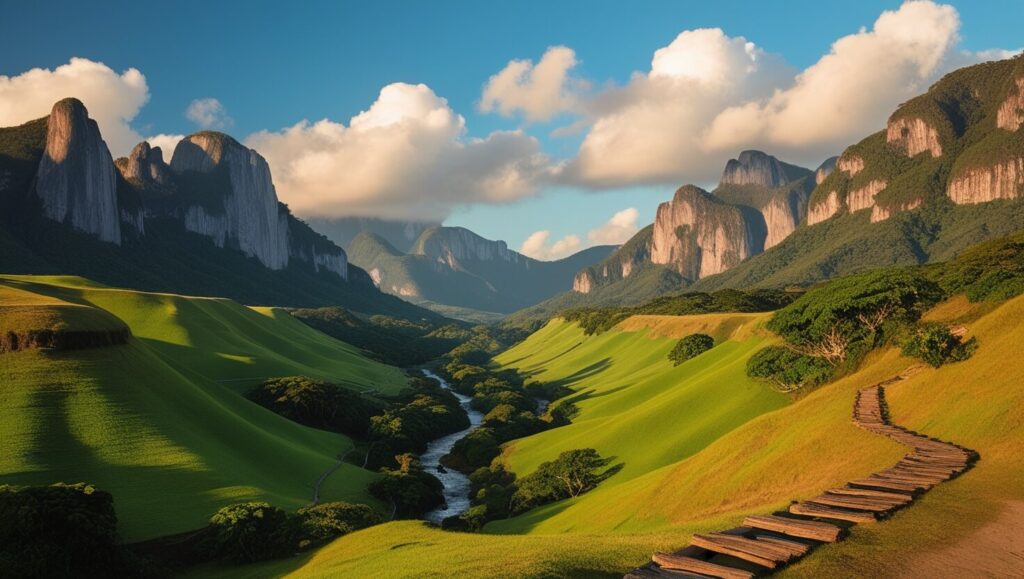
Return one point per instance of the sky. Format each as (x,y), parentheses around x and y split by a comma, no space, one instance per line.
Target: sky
(551,125)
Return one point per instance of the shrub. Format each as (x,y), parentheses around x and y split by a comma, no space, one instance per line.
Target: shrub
(316,403)
(937,345)
(690,347)
(787,369)
(411,490)
(248,532)
(59,530)
(573,473)
(325,521)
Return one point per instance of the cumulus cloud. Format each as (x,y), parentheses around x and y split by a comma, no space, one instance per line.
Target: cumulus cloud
(617,230)
(707,96)
(208,113)
(113,99)
(405,157)
(539,91)
(537,247)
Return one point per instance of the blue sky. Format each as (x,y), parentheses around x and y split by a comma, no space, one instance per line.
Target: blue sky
(272,65)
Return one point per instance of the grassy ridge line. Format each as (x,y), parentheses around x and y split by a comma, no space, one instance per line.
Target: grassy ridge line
(222,340)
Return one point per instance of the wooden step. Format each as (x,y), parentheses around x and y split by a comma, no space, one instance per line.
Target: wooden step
(857,499)
(796,549)
(851,503)
(815,530)
(691,565)
(902,498)
(877,483)
(779,553)
(831,513)
(755,556)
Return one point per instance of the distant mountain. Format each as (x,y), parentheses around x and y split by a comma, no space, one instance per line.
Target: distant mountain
(400,234)
(454,267)
(945,173)
(208,223)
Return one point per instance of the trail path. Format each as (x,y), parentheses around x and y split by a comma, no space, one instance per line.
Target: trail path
(765,543)
(323,477)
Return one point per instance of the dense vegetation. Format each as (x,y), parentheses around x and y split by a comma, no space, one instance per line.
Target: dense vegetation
(690,347)
(936,344)
(411,490)
(573,473)
(597,320)
(318,404)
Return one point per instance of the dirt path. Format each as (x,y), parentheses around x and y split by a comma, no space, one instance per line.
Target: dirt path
(765,543)
(323,477)
(994,550)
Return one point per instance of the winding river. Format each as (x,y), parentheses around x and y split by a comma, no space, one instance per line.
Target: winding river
(456,484)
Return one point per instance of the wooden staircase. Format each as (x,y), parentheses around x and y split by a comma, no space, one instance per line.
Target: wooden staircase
(765,543)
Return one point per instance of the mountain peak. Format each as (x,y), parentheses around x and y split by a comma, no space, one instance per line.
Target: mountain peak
(755,168)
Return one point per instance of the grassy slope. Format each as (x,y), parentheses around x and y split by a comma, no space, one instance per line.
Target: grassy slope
(148,422)
(222,340)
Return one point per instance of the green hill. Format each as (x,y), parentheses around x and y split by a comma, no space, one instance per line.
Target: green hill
(158,421)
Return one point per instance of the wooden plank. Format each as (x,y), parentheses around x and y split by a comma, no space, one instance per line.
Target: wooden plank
(852,504)
(778,553)
(902,498)
(884,484)
(705,542)
(815,530)
(691,565)
(831,513)
(795,549)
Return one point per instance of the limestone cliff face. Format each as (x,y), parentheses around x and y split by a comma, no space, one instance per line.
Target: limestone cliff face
(754,168)
(75,179)
(698,235)
(782,215)
(619,265)
(145,168)
(851,164)
(825,169)
(913,136)
(454,245)
(864,197)
(825,209)
(1010,114)
(879,213)
(246,216)
(999,181)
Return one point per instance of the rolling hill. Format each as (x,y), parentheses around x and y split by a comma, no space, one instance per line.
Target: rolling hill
(157,419)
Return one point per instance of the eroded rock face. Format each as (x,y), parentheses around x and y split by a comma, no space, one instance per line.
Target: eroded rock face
(583,282)
(1010,114)
(754,168)
(1000,181)
(879,213)
(145,167)
(851,165)
(914,136)
(697,235)
(824,209)
(781,216)
(246,216)
(825,169)
(452,245)
(864,197)
(75,179)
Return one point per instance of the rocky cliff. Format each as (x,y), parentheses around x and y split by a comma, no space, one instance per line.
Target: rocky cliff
(75,179)
(755,168)
(621,264)
(145,169)
(454,245)
(913,135)
(698,235)
(825,169)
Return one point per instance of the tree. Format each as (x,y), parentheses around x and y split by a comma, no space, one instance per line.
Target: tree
(787,369)
(248,532)
(325,521)
(690,347)
(936,344)
(573,473)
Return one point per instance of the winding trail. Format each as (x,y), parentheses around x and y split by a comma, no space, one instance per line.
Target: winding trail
(320,481)
(765,543)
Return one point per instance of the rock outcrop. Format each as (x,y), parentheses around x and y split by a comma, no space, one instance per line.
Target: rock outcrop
(755,168)
(913,136)
(825,169)
(864,197)
(697,235)
(454,245)
(782,215)
(75,179)
(628,258)
(1010,114)
(145,168)
(851,164)
(825,209)
(879,213)
(978,185)
(245,215)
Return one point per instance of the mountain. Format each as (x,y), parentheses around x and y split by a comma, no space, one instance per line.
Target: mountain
(207,223)
(342,230)
(454,267)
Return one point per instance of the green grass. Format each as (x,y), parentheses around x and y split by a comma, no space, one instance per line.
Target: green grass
(222,340)
(149,422)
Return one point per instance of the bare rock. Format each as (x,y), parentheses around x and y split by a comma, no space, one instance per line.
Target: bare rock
(914,136)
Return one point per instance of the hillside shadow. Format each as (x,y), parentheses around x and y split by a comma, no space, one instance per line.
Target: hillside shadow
(544,362)
(582,374)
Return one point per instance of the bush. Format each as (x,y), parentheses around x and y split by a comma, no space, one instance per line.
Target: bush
(248,532)
(59,530)
(937,345)
(690,347)
(316,403)
(321,523)
(411,490)
(573,473)
(787,369)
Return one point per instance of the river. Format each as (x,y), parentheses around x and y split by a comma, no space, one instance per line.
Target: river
(456,484)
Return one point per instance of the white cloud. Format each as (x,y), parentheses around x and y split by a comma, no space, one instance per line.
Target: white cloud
(112,99)
(167,143)
(617,230)
(404,157)
(537,247)
(208,113)
(708,96)
(539,91)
